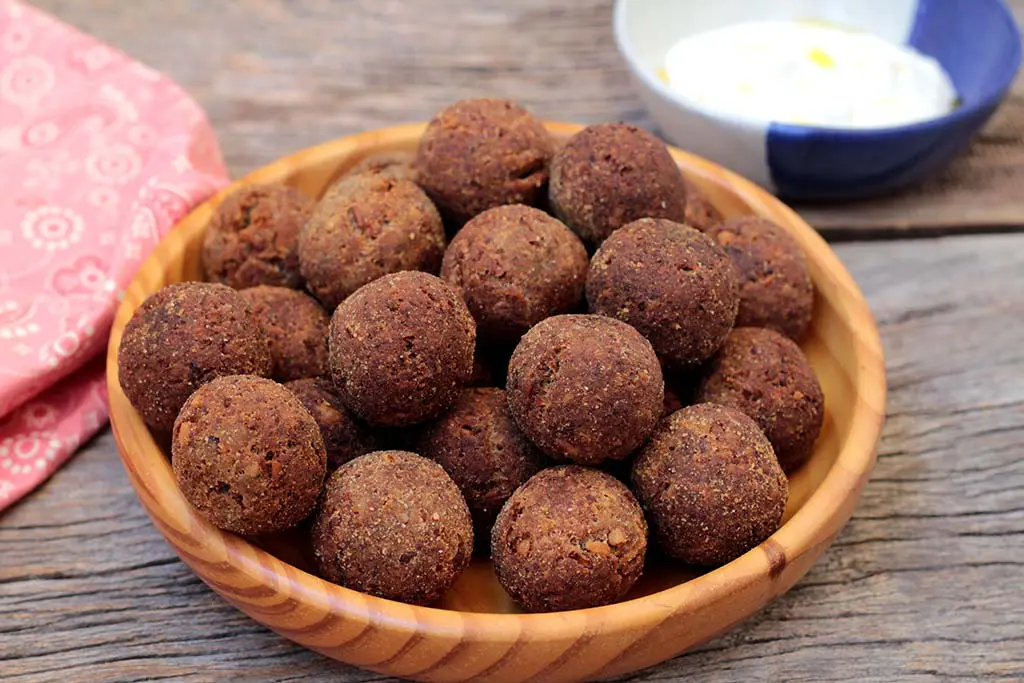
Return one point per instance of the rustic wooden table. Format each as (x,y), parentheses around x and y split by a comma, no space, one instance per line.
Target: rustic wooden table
(925,582)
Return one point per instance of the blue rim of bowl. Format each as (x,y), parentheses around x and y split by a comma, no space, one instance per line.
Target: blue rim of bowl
(793,130)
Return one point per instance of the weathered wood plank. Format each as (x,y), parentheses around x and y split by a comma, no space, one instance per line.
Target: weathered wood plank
(277,75)
(924,584)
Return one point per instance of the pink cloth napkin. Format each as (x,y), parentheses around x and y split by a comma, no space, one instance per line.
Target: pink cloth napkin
(99,158)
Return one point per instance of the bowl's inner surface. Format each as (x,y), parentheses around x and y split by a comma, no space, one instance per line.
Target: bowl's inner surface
(478,590)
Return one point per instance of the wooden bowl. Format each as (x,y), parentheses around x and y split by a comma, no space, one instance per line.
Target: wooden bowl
(476,633)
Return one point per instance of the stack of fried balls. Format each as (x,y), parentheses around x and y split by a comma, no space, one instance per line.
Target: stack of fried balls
(551,354)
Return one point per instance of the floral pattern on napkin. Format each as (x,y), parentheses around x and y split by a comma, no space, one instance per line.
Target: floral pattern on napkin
(99,157)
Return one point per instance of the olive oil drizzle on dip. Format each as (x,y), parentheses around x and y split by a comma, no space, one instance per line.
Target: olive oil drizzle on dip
(808,73)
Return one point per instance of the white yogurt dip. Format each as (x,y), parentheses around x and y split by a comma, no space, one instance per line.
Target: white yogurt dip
(809,74)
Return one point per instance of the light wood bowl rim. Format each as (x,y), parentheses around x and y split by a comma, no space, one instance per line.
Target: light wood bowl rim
(813,525)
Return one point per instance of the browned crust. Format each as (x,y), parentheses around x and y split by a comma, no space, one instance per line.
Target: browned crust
(346,437)
(669,281)
(401,349)
(252,238)
(710,484)
(514,266)
(181,337)
(569,538)
(393,524)
(585,388)
(700,212)
(365,227)
(481,153)
(296,328)
(765,375)
(775,285)
(247,455)
(611,174)
(483,451)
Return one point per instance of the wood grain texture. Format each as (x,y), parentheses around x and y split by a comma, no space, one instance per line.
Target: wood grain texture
(472,637)
(923,584)
(278,75)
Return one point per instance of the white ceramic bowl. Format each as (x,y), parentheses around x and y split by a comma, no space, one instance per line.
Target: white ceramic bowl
(977,42)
